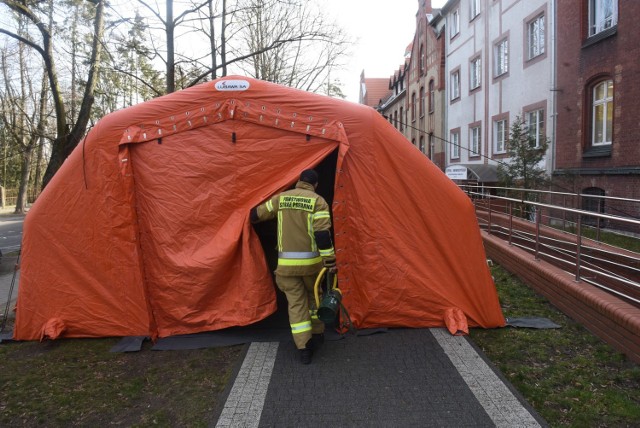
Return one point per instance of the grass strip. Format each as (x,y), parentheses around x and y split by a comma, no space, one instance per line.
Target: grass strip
(79,382)
(570,376)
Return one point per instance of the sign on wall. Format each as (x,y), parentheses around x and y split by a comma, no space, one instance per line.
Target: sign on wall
(456,172)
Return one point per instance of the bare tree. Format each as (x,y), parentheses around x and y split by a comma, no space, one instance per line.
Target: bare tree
(284,41)
(290,42)
(169,23)
(23,111)
(68,133)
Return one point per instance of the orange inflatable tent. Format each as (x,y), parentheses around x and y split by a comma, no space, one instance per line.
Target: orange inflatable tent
(145,229)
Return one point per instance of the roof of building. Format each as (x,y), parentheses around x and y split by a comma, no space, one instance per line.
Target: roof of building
(376,89)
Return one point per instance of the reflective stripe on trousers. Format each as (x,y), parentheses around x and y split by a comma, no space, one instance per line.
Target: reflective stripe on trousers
(301,327)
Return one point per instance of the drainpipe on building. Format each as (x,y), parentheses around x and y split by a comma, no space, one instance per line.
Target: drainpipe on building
(554,89)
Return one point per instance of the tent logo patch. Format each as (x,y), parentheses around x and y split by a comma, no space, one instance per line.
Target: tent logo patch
(232,85)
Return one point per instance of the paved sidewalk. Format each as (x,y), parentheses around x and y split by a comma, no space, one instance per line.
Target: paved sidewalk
(5,284)
(401,378)
(7,266)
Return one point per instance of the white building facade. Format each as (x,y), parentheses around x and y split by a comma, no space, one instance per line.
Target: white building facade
(499,65)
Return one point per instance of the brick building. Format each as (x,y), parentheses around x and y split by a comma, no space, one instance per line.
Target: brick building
(598,98)
(393,106)
(425,86)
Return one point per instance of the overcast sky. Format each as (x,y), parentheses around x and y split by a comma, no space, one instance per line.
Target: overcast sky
(382,29)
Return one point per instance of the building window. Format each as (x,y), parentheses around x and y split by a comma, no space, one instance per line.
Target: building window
(422,144)
(432,95)
(502,57)
(431,146)
(534,121)
(422,102)
(455,23)
(475,140)
(395,119)
(592,200)
(413,106)
(535,37)
(602,113)
(603,14)
(475,9)
(455,145)
(455,85)
(421,59)
(401,119)
(500,135)
(475,73)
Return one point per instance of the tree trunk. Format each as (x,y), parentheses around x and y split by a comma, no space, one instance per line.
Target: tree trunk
(74,56)
(37,180)
(223,39)
(212,41)
(171,66)
(21,201)
(39,137)
(68,139)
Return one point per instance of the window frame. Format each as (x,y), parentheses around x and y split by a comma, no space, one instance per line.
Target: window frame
(497,63)
(455,145)
(539,131)
(541,43)
(456,89)
(474,9)
(595,7)
(455,24)
(475,71)
(608,104)
(497,120)
(432,94)
(430,146)
(422,102)
(413,106)
(475,140)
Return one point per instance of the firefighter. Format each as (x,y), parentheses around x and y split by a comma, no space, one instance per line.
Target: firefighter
(304,247)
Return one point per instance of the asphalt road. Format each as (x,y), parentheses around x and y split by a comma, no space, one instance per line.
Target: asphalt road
(10,232)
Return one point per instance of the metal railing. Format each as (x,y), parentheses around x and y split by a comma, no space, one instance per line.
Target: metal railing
(526,219)
(10,197)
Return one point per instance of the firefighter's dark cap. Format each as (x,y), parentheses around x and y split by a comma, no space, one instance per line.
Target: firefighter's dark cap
(309,176)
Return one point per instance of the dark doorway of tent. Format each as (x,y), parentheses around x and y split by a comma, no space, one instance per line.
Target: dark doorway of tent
(267,232)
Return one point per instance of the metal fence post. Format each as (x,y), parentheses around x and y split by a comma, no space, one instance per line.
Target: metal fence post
(510,222)
(489,221)
(579,247)
(537,214)
(564,213)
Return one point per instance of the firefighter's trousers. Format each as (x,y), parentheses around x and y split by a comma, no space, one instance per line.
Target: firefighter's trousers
(302,307)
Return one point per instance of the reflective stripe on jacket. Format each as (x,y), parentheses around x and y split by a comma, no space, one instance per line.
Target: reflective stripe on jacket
(300,212)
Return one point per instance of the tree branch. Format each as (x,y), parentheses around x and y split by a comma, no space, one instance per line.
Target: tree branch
(23,40)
